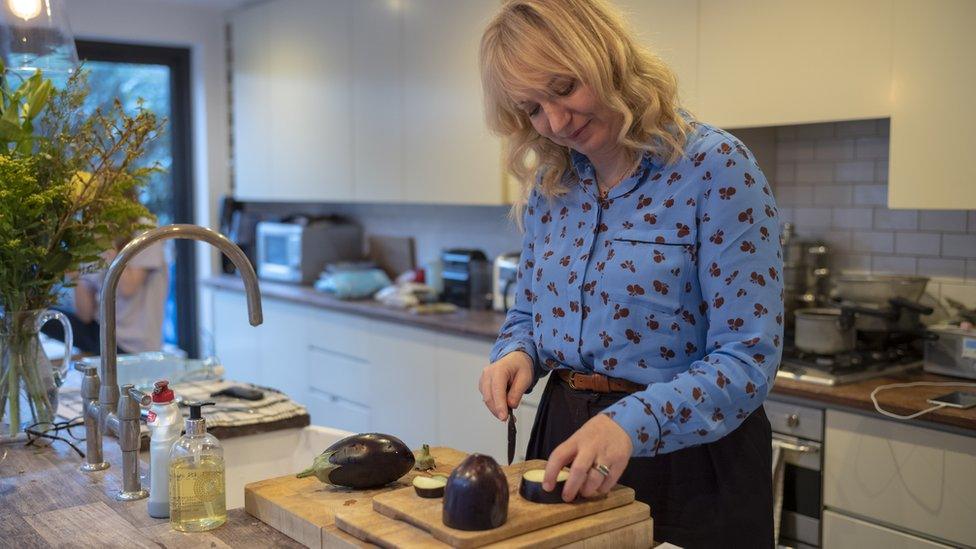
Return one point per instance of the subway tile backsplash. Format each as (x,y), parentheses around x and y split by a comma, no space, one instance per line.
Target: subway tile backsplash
(830,181)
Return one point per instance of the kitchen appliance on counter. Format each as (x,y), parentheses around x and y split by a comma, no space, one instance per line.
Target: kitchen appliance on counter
(874,328)
(297,249)
(466,279)
(504,276)
(239,225)
(953,353)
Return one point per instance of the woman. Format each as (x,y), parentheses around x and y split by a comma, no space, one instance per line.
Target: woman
(649,283)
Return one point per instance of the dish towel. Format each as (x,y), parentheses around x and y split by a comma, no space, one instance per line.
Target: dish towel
(779,468)
(228,412)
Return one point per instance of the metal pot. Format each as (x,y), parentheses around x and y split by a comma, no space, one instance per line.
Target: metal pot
(824,331)
(878,289)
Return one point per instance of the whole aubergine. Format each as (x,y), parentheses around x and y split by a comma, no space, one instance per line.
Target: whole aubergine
(367,460)
(476,495)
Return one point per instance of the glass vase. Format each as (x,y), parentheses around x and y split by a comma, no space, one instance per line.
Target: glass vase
(29,381)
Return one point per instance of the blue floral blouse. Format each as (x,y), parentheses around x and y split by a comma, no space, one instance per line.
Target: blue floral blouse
(672,280)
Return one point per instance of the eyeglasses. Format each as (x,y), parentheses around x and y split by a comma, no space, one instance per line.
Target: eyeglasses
(45,429)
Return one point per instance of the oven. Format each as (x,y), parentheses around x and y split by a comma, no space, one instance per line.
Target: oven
(798,431)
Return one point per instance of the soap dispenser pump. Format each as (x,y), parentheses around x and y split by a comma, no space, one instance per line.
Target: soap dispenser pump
(196,477)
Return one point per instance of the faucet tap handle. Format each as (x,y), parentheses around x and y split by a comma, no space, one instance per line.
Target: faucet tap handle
(142,398)
(84,368)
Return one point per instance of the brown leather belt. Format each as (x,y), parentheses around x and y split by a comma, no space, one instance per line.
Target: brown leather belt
(599,383)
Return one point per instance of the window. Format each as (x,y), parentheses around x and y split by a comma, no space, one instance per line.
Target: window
(160,77)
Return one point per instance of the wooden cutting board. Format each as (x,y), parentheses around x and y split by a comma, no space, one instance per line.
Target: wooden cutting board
(304,509)
(627,526)
(523,516)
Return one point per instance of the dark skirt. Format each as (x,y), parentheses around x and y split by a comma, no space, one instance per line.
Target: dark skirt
(714,495)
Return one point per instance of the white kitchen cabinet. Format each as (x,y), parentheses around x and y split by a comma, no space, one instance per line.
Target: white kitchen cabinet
(404,389)
(362,100)
(292,91)
(670,29)
(251,105)
(895,473)
(770,63)
(449,157)
(933,121)
(283,348)
(236,343)
(331,410)
(465,421)
(843,532)
(377,110)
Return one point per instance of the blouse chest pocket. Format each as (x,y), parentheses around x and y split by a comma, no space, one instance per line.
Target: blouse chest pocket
(649,268)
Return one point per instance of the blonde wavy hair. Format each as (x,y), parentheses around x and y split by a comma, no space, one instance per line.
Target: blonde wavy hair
(531,41)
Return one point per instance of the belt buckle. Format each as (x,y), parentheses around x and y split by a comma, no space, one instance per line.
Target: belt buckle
(572,381)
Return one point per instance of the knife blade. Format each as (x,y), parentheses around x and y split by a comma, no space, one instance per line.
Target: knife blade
(511,436)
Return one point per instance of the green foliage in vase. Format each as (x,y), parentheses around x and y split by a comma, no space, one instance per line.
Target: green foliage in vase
(69,185)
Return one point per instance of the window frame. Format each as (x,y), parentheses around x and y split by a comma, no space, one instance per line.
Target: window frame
(178,60)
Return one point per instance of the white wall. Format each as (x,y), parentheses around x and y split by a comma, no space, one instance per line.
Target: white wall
(201,29)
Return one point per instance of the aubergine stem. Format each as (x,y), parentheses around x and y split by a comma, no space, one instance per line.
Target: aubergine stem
(426,461)
(320,468)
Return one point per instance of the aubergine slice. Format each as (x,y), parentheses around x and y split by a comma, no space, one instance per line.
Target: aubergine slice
(476,495)
(531,487)
(367,460)
(430,487)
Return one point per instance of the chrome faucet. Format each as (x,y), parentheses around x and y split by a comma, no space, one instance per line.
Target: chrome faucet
(104,410)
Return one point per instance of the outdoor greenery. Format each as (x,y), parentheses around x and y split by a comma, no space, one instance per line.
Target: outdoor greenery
(69,187)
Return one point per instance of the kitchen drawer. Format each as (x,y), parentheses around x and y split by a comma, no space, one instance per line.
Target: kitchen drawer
(329,410)
(339,374)
(897,473)
(343,333)
(843,532)
(798,421)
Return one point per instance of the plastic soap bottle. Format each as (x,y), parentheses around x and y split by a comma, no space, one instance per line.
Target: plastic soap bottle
(165,424)
(197,497)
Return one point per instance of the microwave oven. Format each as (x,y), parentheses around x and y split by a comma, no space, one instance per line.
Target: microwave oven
(297,252)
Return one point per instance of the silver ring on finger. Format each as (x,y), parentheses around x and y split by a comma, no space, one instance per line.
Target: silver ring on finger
(602,469)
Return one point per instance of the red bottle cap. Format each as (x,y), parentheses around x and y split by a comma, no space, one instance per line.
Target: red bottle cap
(162,393)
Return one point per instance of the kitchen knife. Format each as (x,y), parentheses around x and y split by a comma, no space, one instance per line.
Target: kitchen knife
(511,436)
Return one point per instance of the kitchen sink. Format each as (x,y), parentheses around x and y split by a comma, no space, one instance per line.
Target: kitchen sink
(269,455)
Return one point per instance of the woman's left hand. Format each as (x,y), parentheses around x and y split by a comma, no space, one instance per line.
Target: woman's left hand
(600,441)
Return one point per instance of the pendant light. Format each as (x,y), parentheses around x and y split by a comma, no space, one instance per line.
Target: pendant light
(34,34)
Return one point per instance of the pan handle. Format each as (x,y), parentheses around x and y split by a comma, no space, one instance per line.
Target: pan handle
(902,303)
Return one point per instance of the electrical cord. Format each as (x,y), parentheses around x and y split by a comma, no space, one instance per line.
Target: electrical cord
(879,388)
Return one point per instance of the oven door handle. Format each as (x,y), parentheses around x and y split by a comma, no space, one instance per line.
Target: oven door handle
(795,445)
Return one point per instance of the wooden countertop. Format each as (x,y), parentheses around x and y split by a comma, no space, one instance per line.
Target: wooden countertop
(478,324)
(485,325)
(902,401)
(47,501)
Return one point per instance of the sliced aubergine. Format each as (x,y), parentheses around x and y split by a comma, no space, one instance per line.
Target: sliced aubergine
(368,460)
(476,495)
(430,487)
(531,487)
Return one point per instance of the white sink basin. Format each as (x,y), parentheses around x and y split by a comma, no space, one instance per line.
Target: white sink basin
(275,454)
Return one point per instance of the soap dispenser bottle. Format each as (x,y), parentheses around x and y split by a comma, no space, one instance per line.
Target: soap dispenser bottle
(197,498)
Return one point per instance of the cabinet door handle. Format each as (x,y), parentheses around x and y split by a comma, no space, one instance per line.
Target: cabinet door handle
(792,420)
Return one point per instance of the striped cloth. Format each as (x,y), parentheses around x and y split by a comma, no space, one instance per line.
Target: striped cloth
(228,411)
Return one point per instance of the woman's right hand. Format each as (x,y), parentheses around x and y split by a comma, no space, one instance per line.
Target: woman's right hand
(504,381)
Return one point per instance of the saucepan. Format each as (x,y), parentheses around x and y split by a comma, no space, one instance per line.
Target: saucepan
(824,331)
